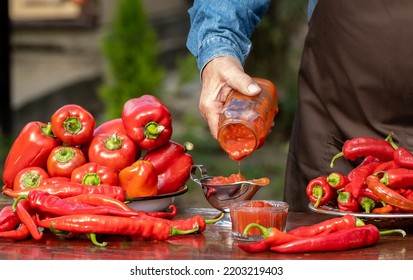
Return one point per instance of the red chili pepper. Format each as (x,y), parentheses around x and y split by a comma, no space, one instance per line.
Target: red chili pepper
(356,237)
(347,202)
(21,233)
(398,178)
(46,203)
(8,219)
(384,166)
(63,160)
(26,217)
(31,148)
(358,147)
(153,229)
(273,236)
(319,191)
(94,174)
(73,124)
(366,161)
(387,194)
(403,157)
(359,175)
(172,164)
(116,151)
(68,189)
(140,179)
(29,177)
(147,121)
(385,209)
(337,180)
(365,191)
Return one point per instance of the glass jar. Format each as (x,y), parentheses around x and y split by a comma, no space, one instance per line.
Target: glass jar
(245,121)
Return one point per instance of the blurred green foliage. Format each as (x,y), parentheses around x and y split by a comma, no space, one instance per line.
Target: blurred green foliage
(130,49)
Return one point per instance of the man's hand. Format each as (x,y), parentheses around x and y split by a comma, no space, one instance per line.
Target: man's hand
(219,77)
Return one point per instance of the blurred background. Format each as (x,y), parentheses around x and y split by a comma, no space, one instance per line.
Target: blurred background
(100,53)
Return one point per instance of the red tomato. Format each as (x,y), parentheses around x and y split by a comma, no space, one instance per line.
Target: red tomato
(29,177)
(116,150)
(94,174)
(63,160)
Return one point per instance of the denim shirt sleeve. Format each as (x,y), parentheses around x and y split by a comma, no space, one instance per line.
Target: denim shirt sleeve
(223,28)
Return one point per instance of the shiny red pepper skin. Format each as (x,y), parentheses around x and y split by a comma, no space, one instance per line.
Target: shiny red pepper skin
(347,202)
(94,174)
(384,166)
(23,211)
(147,121)
(68,189)
(73,124)
(31,148)
(29,177)
(388,195)
(359,175)
(110,127)
(115,150)
(398,178)
(8,219)
(63,160)
(346,239)
(319,191)
(336,180)
(21,233)
(172,164)
(359,147)
(403,157)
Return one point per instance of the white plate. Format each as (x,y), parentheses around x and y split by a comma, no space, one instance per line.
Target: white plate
(382,221)
(156,203)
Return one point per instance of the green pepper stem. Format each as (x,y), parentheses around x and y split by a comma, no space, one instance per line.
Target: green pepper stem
(340,154)
(359,222)
(153,129)
(175,231)
(91,179)
(389,139)
(113,142)
(13,206)
(392,231)
(47,130)
(265,231)
(213,221)
(72,125)
(92,237)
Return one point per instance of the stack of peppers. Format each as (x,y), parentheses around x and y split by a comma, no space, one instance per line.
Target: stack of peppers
(335,234)
(90,214)
(382,183)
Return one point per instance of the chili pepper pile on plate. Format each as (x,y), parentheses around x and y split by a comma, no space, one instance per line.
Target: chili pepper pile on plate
(335,234)
(382,183)
(135,151)
(67,166)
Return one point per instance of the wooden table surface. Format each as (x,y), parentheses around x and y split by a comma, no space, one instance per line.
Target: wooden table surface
(215,243)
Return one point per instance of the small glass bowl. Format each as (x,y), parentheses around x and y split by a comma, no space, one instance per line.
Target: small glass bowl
(267,213)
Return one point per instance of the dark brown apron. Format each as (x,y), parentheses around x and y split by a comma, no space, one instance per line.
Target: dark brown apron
(355,79)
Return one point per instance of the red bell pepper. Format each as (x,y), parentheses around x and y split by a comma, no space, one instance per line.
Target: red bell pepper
(94,174)
(31,148)
(63,160)
(110,127)
(116,150)
(172,164)
(319,191)
(54,180)
(147,121)
(73,124)
(29,177)
(140,179)
(347,202)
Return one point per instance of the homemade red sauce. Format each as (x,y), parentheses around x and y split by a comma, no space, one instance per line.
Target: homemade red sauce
(260,212)
(222,180)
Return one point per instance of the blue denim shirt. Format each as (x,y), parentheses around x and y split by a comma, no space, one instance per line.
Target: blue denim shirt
(224,27)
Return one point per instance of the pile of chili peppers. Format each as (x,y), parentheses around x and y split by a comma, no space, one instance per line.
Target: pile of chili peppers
(89,214)
(382,183)
(134,152)
(69,176)
(335,234)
